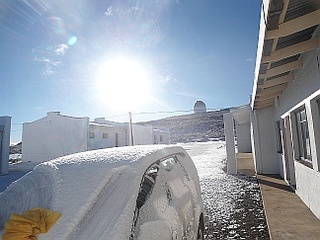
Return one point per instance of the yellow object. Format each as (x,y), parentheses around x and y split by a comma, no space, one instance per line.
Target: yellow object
(29,224)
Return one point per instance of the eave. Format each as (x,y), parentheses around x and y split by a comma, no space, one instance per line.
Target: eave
(287,31)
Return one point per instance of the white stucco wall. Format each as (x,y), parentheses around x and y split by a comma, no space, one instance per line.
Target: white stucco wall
(230,143)
(161,136)
(241,116)
(53,136)
(300,92)
(98,141)
(263,128)
(142,135)
(5,125)
(117,136)
(308,187)
(243,137)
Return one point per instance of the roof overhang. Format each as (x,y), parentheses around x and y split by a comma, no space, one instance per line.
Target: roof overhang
(287,30)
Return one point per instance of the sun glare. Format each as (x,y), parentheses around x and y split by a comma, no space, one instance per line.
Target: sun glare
(123,84)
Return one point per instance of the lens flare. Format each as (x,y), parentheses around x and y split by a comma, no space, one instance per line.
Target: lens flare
(72,40)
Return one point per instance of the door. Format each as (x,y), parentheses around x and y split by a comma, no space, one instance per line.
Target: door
(288,153)
(117,140)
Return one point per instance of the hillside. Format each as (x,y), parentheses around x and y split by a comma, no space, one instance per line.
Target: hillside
(192,127)
(16,148)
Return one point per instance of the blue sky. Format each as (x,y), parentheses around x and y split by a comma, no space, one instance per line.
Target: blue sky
(106,58)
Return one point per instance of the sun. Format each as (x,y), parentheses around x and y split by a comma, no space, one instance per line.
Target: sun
(123,84)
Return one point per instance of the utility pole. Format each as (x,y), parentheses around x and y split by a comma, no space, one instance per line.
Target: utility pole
(131,128)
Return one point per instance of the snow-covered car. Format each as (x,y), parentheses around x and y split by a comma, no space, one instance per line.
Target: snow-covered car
(136,192)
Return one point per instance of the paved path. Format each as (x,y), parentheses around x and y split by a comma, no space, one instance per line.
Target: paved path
(287,216)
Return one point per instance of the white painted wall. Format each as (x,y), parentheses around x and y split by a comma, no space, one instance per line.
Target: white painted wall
(53,136)
(117,136)
(142,135)
(5,124)
(102,137)
(241,116)
(243,137)
(303,91)
(308,187)
(230,143)
(161,136)
(265,141)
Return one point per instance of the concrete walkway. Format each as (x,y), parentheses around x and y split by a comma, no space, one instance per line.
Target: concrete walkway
(287,216)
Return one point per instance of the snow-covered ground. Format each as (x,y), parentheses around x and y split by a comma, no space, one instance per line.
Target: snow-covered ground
(232,204)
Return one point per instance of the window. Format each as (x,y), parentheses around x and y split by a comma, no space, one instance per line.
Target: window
(105,135)
(161,138)
(279,140)
(91,134)
(304,151)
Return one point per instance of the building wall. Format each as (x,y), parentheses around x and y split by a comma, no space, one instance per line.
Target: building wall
(308,187)
(306,82)
(105,136)
(243,137)
(241,118)
(263,127)
(53,136)
(304,91)
(100,136)
(5,129)
(161,136)
(142,135)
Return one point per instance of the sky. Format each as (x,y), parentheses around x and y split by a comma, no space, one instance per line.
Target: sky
(101,58)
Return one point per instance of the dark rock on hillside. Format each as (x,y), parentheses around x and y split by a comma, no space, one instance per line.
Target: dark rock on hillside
(17,148)
(198,127)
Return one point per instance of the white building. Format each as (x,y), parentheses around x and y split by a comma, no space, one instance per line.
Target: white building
(103,133)
(54,136)
(5,128)
(285,106)
(161,136)
(57,135)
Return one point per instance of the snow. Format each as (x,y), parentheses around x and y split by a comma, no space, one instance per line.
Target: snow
(233,206)
(155,230)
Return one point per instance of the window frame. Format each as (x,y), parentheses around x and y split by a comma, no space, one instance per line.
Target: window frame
(279,137)
(302,135)
(91,135)
(105,135)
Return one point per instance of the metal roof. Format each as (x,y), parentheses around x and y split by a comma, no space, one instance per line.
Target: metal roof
(289,32)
